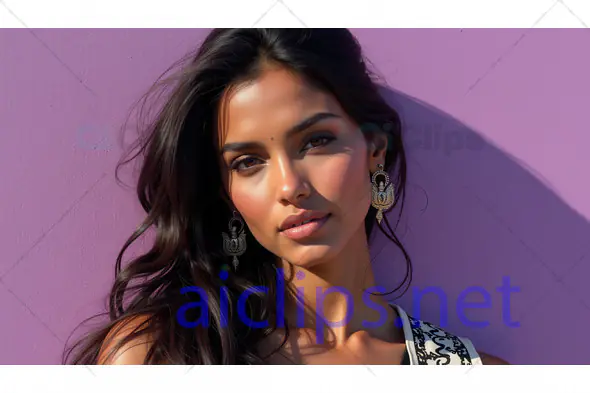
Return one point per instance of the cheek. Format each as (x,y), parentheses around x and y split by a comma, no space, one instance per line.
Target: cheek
(252,205)
(345,182)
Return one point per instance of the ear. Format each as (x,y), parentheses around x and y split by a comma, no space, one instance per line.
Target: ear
(377,145)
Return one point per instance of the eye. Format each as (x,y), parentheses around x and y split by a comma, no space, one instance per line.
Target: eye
(318,141)
(243,164)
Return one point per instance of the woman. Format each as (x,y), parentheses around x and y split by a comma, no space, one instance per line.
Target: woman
(264,175)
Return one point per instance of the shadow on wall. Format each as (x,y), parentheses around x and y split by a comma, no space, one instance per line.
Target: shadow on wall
(495,251)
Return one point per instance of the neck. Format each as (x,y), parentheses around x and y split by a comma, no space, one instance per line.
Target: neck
(337,299)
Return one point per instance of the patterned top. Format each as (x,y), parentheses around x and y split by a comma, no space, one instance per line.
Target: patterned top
(428,344)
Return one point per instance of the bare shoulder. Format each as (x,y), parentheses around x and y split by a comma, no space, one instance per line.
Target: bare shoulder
(488,359)
(132,352)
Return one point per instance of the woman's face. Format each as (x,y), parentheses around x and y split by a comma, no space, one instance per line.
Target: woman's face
(288,149)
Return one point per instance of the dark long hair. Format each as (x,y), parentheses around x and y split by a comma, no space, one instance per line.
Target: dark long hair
(180,186)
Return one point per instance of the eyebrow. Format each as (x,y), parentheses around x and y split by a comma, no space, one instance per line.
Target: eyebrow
(299,127)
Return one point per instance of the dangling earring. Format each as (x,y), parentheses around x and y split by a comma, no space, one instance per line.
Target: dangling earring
(236,245)
(382,193)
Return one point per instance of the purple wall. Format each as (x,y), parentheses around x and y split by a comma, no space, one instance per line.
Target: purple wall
(496,127)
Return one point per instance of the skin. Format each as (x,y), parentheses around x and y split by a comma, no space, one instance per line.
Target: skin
(271,173)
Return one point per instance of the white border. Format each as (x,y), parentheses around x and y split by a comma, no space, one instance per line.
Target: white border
(292,13)
(295,13)
(292,379)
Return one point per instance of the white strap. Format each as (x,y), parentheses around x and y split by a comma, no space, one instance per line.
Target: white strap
(421,337)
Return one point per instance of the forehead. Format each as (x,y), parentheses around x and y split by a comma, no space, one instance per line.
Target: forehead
(269,105)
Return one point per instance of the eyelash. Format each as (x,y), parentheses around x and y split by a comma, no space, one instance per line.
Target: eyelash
(329,138)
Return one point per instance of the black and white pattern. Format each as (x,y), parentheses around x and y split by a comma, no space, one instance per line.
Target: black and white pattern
(428,344)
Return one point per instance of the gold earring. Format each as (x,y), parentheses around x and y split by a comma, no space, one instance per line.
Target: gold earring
(383,195)
(236,244)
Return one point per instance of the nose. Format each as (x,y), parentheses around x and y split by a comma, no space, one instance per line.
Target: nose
(293,185)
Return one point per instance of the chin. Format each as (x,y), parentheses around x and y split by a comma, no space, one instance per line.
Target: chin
(314,255)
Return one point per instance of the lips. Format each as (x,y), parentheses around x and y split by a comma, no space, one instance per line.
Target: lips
(301,218)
